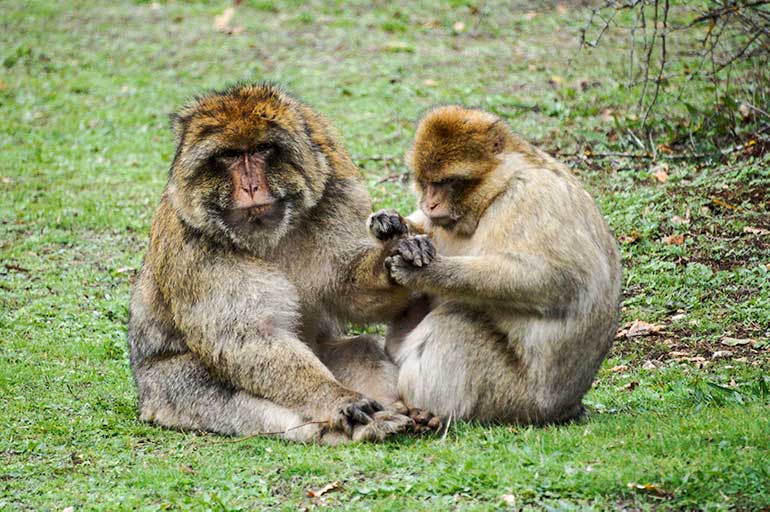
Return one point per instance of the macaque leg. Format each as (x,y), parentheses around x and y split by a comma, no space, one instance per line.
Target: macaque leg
(361,364)
(403,324)
(178,392)
(452,363)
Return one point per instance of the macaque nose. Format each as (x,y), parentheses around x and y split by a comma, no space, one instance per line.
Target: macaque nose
(432,205)
(250,188)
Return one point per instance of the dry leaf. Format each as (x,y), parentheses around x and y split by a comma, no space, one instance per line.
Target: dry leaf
(6,180)
(631,386)
(607,115)
(745,111)
(561,9)
(719,354)
(680,221)
(673,240)
(508,499)
(724,204)
(555,80)
(756,231)
(397,46)
(651,488)
(458,26)
(429,82)
(222,22)
(619,368)
(732,342)
(185,468)
(530,15)
(676,353)
(641,328)
(649,365)
(628,238)
(660,174)
(323,490)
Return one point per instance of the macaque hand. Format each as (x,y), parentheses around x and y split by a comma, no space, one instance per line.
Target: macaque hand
(387,225)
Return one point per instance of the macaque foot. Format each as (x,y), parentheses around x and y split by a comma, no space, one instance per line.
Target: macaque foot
(353,413)
(424,421)
(383,425)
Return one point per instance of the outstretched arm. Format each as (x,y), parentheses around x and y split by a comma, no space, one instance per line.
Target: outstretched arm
(521,281)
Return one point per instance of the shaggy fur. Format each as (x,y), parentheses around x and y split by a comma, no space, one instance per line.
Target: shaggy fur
(236,327)
(523,285)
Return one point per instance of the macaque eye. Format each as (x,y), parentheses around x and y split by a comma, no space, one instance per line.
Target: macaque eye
(229,153)
(265,147)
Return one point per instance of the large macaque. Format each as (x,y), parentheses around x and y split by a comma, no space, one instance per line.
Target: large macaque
(521,273)
(258,257)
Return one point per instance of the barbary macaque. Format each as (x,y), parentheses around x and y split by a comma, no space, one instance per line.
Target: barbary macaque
(258,258)
(521,273)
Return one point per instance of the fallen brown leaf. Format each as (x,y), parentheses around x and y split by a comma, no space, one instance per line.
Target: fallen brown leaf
(724,204)
(628,238)
(631,386)
(185,468)
(508,499)
(641,328)
(619,368)
(222,22)
(680,221)
(673,240)
(661,175)
(323,490)
(756,231)
(732,342)
(651,488)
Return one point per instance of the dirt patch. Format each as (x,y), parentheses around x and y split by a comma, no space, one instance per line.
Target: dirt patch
(678,345)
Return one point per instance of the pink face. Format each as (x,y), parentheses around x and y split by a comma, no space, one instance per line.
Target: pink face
(250,187)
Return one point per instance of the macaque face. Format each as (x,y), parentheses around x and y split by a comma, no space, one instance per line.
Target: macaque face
(441,201)
(252,202)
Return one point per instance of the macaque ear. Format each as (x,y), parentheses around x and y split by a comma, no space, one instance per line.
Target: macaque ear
(498,136)
(178,126)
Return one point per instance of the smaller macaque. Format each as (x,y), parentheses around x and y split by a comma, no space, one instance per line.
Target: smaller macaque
(521,272)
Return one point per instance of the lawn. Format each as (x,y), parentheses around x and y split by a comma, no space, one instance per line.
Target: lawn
(678,414)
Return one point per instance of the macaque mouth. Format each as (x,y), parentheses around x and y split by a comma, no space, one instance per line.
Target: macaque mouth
(265,213)
(445,221)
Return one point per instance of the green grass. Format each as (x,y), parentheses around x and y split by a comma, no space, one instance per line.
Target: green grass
(85,90)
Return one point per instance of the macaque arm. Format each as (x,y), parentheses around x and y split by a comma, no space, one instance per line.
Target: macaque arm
(242,330)
(523,281)
(369,294)
(418,223)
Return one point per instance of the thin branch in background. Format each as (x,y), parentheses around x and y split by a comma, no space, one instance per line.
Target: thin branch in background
(662,59)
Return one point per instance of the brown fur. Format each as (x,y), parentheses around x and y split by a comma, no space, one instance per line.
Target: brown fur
(523,283)
(236,327)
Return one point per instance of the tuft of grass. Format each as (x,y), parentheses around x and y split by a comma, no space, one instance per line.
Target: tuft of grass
(85,90)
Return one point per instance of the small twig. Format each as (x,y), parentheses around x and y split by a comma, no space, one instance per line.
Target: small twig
(391,177)
(636,140)
(375,158)
(262,434)
(13,266)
